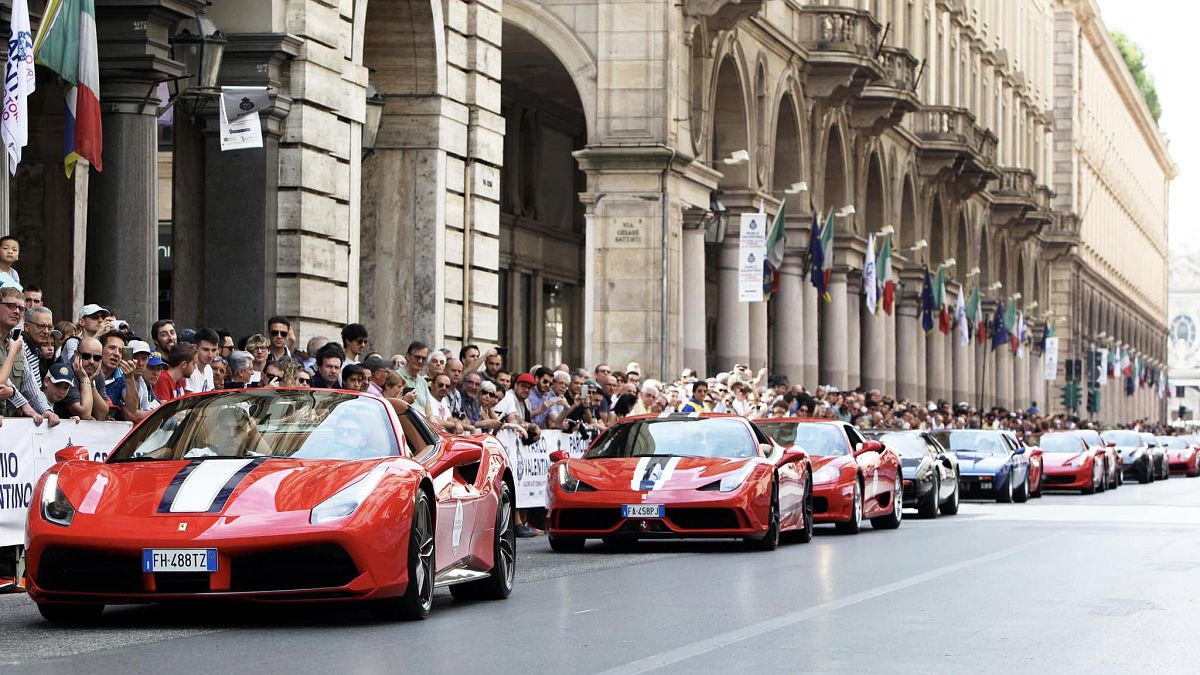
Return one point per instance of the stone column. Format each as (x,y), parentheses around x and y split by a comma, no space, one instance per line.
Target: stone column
(694,347)
(122,237)
(1004,377)
(812,340)
(758,335)
(908,327)
(789,321)
(854,304)
(873,347)
(964,365)
(889,352)
(1021,381)
(733,316)
(935,364)
(834,356)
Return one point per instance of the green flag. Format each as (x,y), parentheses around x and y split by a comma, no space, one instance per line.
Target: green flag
(973,306)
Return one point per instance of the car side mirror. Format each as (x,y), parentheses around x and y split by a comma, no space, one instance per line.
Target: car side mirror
(791,454)
(559,456)
(73,453)
(868,446)
(1019,451)
(465,454)
(1111,444)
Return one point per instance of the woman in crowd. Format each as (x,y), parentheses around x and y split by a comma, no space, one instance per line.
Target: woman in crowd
(260,349)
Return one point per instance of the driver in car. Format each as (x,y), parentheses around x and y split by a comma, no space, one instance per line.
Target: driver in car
(231,434)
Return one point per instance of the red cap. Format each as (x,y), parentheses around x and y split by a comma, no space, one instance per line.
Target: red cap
(526,378)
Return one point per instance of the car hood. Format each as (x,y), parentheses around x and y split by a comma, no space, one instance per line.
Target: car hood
(1129,452)
(660,472)
(231,487)
(1052,460)
(970,462)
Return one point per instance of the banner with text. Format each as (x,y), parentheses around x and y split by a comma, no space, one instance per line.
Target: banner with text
(752,250)
(26,451)
(531,461)
(1051,358)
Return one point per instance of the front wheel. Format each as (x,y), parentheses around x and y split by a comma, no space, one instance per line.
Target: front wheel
(1005,496)
(1022,493)
(854,525)
(70,614)
(950,508)
(499,583)
(418,597)
(928,507)
(892,520)
(769,541)
(805,533)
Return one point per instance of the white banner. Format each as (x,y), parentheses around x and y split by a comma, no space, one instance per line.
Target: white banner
(20,82)
(1050,358)
(752,251)
(240,126)
(1103,365)
(531,462)
(27,451)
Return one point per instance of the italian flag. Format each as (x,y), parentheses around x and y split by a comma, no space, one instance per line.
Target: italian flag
(939,299)
(883,273)
(66,44)
(776,242)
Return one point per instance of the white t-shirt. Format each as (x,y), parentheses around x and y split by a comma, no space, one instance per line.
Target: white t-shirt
(510,404)
(440,410)
(201,380)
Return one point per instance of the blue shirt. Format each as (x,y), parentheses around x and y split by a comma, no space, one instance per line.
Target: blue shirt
(11,279)
(115,388)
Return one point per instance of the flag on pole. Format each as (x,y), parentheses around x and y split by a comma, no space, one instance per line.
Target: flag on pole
(928,303)
(870,284)
(883,271)
(999,330)
(66,44)
(20,82)
(821,248)
(776,241)
(939,300)
(973,316)
(1020,350)
(816,255)
(1010,326)
(960,319)
(1162,385)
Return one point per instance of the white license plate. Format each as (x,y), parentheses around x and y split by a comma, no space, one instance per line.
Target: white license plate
(985,485)
(642,511)
(179,560)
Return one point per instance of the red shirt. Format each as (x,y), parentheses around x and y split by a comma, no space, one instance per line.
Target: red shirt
(164,388)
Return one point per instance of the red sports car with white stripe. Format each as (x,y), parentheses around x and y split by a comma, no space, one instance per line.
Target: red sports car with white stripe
(274,495)
(704,476)
(854,478)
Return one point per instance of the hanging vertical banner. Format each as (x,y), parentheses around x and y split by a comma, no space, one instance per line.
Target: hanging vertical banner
(752,250)
(1051,358)
(240,125)
(1103,356)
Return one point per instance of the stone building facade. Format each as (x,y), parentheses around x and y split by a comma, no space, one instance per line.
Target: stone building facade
(546,173)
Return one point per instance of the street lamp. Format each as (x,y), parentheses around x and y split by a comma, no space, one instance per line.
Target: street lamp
(714,222)
(373,119)
(199,45)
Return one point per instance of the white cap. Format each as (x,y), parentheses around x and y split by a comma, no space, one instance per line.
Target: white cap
(140,347)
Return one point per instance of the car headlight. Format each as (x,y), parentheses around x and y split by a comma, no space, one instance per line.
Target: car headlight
(566,480)
(55,507)
(734,480)
(347,500)
(826,474)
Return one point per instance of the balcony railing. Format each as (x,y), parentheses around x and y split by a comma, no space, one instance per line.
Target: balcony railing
(956,125)
(839,29)
(899,69)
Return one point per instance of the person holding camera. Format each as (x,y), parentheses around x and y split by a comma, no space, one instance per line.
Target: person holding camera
(441,413)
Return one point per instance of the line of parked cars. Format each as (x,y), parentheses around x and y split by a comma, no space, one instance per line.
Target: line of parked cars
(710,476)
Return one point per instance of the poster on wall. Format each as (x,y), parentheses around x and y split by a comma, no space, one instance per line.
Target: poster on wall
(1051,358)
(752,250)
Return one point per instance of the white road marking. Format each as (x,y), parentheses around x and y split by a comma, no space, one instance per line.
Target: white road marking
(694,649)
(585,611)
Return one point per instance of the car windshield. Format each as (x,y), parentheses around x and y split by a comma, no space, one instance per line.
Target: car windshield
(1061,443)
(1173,442)
(909,445)
(814,438)
(1125,438)
(308,424)
(983,442)
(700,437)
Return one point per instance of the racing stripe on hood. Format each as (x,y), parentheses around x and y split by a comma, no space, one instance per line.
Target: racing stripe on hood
(205,486)
(655,473)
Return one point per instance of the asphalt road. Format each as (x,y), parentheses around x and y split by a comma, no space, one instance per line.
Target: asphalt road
(1064,584)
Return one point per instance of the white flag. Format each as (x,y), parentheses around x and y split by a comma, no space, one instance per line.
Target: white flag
(1021,335)
(20,82)
(960,318)
(869,285)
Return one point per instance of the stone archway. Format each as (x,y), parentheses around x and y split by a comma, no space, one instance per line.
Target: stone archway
(835,191)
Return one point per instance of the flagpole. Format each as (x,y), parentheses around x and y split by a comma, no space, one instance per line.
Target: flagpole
(79,227)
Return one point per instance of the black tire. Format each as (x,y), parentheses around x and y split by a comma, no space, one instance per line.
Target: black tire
(421,558)
(70,614)
(950,508)
(1195,470)
(1021,495)
(1102,485)
(499,583)
(1037,493)
(928,507)
(770,540)
(1147,475)
(566,544)
(854,525)
(1005,496)
(1091,489)
(1166,469)
(805,534)
(892,520)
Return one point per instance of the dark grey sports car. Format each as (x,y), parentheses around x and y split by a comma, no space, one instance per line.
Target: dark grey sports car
(930,471)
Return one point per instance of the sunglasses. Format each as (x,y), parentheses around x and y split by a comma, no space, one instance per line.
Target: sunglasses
(279,333)
(418,359)
(305,380)
(14,305)
(84,356)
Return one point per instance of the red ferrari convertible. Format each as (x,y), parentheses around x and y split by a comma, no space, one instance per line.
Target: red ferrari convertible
(853,478)
(274,495)
(1069,463)
(674,476)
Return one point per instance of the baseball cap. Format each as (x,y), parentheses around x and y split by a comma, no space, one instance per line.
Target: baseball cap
(60,373)
(140,347)
(89,310)
(156,359)
(187,335)
(374,363)
(526,378)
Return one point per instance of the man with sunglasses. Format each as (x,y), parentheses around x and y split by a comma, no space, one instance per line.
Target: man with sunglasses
(354,342)
(39,348)
(86,400)
(12,309)
(414,382)
(279,330)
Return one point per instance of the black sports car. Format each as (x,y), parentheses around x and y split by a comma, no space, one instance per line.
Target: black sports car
(930,472)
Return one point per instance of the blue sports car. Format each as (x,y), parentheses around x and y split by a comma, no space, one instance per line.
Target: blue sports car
(990,464)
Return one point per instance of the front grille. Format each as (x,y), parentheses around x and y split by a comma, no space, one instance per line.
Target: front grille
(320,566)
(820,504)
(86,570)
(703,519)
(182,582)
(1059,480)
(588,519)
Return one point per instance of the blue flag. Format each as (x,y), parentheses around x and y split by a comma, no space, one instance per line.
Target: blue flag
(999,332)
(928,303)
(816,255)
